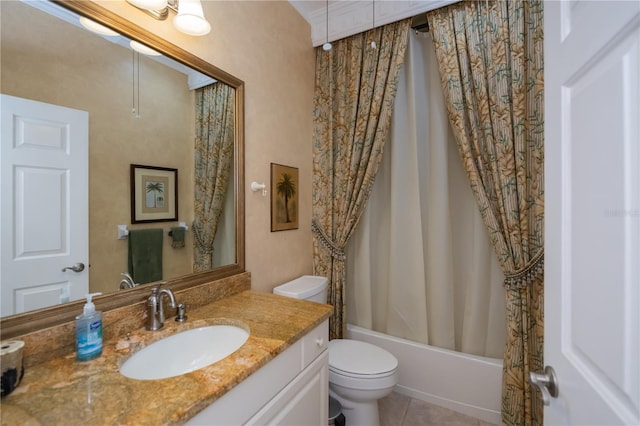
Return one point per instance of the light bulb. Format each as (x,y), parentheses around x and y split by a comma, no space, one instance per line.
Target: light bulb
(141,48)
(93,26)
(190,18)
(373,44)
(149,4)
(326,47)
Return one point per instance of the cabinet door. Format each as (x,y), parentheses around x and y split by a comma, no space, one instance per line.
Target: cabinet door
(303,402)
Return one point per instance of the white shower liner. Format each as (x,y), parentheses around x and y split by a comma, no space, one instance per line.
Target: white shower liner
(468,384)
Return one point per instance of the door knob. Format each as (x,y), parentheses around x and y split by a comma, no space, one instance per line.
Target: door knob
(546,382)
(78,267)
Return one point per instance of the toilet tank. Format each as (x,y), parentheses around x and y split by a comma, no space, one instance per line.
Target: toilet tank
(308,287)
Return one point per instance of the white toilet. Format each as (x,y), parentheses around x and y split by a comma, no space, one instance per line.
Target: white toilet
(359,373)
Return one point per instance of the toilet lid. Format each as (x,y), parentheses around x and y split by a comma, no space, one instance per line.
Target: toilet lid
(355,357)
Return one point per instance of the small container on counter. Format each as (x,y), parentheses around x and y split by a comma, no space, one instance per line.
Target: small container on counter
(89,332)
(11,362)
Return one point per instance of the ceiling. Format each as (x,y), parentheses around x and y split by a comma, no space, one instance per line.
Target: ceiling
(349,17)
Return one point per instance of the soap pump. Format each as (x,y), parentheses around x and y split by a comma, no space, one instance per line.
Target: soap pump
(89,331)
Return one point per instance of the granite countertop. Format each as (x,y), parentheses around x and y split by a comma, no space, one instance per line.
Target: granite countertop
(64,391)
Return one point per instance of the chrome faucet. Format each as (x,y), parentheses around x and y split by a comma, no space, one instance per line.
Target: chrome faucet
(127,281)
(172,303)
(155,308)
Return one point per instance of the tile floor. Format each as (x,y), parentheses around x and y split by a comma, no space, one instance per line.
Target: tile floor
(401,410)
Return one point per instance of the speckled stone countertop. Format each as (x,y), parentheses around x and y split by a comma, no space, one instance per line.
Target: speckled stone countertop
(66,392)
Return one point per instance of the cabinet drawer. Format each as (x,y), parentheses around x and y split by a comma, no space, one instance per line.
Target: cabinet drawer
(315,343)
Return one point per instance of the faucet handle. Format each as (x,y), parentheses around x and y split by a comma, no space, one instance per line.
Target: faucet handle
(153,310)
(155,292)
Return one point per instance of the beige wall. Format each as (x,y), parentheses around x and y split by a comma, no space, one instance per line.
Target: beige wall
(267,44)
(102,85)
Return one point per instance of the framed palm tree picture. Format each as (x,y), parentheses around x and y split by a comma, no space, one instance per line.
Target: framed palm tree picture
(284,197)
(154,194)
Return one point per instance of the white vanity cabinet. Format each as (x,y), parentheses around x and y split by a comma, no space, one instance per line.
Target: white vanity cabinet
(292,389)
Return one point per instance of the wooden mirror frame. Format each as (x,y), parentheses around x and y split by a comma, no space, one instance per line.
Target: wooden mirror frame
(16,325)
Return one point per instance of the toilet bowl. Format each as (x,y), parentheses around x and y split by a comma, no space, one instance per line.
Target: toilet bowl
(359,373)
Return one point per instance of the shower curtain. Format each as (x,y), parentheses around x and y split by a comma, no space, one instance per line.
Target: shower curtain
(214,150)
(420,264)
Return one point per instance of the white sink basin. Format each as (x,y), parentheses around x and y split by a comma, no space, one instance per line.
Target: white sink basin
(184,352)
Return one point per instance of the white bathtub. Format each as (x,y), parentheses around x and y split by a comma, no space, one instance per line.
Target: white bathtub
(468,384)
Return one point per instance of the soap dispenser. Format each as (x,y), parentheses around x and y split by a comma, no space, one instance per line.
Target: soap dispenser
(89,332)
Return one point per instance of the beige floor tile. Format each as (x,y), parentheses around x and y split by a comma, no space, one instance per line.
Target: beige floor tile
(392,409)
(400,410)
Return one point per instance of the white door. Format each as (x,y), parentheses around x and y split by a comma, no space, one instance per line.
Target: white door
(592,193)
(44,204)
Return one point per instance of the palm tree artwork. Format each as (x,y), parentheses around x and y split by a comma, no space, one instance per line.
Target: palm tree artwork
(284,197)
(286,188)
(155,194)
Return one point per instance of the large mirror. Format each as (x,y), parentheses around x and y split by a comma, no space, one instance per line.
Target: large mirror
(141,111)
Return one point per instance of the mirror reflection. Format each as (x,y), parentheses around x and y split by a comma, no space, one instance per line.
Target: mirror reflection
(139,108)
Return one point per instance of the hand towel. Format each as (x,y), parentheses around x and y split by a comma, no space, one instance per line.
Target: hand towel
(145,255)
(177,235)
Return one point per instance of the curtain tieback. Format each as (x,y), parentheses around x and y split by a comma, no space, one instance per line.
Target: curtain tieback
(336,252)
(204,248)
(526,275)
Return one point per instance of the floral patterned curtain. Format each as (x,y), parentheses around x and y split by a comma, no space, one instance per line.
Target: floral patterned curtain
(490,56)
(215,132)
(354,93)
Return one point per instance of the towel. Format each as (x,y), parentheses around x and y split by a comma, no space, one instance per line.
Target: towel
(145,255)
(177,237)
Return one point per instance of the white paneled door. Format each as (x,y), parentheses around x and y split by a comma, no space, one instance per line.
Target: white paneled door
(592,193)
(44,249)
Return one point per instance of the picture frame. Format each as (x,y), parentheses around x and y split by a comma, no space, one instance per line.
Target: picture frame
(285,187)
(154,194)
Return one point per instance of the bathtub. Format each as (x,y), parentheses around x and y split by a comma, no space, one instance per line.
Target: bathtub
(464,383)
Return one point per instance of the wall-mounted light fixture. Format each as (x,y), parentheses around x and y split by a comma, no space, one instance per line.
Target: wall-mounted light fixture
(189,19)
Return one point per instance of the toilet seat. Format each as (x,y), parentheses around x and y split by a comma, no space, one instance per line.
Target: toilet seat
(360,360)
(361,366)
(361,376)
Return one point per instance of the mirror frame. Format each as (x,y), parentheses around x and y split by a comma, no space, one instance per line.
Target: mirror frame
(19,324)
